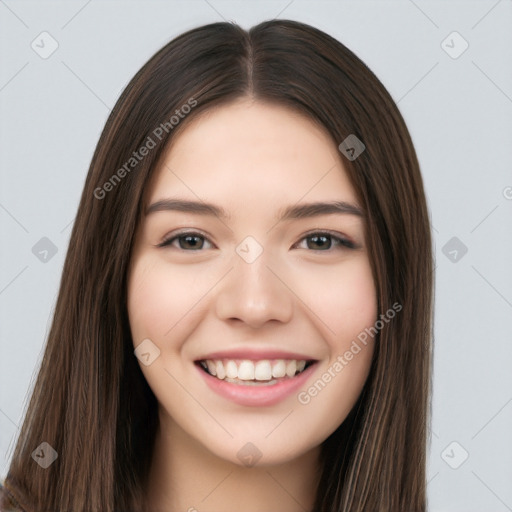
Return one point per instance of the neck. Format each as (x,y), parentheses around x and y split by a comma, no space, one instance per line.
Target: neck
(185,476)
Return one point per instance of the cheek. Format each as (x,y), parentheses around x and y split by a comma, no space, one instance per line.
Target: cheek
(343,300)
(166,302)
(157,299)
(346,307)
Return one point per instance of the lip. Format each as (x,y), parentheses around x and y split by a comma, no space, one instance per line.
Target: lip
(255,355)
(256,396)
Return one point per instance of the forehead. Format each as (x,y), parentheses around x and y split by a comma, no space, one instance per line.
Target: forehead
(252,154)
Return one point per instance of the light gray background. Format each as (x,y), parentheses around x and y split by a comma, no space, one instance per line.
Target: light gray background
(459,113)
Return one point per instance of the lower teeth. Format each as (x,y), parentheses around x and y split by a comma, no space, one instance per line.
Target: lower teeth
(251,382)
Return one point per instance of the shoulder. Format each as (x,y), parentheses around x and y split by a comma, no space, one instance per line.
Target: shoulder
(8,503)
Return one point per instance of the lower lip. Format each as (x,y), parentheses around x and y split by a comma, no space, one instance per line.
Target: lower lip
(257,396)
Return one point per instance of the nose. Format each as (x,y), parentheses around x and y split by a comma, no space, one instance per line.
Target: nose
(254,293)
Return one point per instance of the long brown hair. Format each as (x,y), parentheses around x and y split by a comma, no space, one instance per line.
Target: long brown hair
(91,402)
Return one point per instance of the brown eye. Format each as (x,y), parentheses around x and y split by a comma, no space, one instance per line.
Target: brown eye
(325,241)
(188,241)
(319,242)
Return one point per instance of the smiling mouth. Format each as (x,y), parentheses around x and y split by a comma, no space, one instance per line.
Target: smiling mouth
(247,372)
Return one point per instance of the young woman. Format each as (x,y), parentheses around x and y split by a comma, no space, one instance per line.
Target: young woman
(244,318)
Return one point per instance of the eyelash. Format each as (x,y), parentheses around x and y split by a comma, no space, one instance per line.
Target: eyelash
(341,243)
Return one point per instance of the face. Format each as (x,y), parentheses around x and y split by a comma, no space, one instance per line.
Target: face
(265,293)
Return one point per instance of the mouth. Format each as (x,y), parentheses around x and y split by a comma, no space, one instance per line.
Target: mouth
(247,372)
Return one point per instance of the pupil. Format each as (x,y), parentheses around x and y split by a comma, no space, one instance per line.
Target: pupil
(188,241)
(321,238)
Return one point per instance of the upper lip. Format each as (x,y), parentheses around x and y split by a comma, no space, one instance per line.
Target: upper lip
(255,355)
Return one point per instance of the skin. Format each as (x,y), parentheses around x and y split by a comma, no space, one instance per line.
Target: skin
(300,295)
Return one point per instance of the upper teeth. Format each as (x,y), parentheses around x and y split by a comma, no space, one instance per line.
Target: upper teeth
(253,370)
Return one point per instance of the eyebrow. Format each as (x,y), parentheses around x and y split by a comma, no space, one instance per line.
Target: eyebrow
(299,211)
